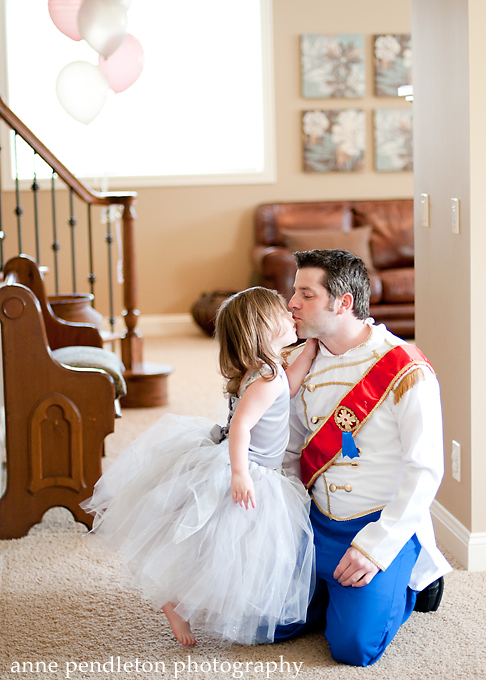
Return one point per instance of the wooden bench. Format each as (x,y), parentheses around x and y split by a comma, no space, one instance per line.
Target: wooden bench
(56,417)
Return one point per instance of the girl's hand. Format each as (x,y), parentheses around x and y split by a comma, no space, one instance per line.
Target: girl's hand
(242,489)
(311,347)
(297,371)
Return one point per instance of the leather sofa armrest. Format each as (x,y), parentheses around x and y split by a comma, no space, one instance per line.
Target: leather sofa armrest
(376,289)
(275,268)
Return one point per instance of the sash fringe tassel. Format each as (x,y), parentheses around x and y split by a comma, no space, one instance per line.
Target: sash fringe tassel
(407,383)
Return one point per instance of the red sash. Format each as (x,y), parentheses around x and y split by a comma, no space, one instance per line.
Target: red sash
(355,408)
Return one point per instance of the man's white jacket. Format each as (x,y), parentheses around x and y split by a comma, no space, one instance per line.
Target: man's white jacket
(400,465)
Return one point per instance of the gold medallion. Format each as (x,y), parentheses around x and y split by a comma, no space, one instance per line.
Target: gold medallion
(346,419)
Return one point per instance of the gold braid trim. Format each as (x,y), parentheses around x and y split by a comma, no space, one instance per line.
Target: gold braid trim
(377,564)
(407,383)
(286,352)
(346,519)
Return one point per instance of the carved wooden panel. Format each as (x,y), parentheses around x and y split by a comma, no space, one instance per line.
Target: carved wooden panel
(55,444)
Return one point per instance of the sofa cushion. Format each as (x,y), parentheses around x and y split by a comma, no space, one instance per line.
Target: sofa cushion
(398,285)
(392,238)
(357,241)
(337,220)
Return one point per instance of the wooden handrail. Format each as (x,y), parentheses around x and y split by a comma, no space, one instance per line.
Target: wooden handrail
(79,188)
(147,384)
(131,341)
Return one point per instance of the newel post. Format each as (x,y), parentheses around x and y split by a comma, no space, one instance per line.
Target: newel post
(146,382)
(131,342)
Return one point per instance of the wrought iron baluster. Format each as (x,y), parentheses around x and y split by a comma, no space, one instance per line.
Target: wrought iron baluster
(72,224)
(55,244)
(35,189)
(2,234)
(91,275)
(18,208)
(109,241)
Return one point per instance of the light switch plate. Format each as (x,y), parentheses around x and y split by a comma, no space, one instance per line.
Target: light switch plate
(456,225)
(424,205)
(456,460)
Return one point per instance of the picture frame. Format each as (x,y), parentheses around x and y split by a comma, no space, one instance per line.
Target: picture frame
(333,140)
(393,63)
(333,66)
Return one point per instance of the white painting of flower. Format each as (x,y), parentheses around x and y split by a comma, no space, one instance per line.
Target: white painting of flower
(393,63)
(333,140)
(348,132)
(387,48)
(333,66)
(315,123)
(407,59)
(393,139)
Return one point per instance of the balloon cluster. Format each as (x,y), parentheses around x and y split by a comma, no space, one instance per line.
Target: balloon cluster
(82,87)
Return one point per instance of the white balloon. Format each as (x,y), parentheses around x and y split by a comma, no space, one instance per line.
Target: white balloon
(81,89)
(103,24)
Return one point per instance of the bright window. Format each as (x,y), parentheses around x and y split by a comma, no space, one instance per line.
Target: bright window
(200,113)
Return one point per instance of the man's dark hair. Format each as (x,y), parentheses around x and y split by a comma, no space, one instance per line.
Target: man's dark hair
(343,272)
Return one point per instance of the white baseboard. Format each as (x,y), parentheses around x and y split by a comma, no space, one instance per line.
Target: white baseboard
(160,325)
(468,548)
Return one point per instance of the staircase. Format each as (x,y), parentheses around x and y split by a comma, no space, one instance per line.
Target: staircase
(146,383)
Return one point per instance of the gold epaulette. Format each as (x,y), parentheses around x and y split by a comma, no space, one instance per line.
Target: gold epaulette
(285,353)
(407,383)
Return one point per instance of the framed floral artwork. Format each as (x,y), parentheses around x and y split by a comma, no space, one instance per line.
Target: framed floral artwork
(393,63)
(393,139)
(333,140)
(333,66)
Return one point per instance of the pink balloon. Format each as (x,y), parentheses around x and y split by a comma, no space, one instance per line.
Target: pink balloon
(64,14)
(124,66)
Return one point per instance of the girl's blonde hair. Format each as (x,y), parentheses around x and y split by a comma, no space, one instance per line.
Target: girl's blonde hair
(246,323)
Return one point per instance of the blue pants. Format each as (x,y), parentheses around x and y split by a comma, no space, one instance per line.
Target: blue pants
(359,623)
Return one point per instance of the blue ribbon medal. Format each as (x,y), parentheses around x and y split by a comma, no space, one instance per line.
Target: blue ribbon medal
(349,447)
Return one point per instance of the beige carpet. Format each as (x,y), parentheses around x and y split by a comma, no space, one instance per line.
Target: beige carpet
(63,603)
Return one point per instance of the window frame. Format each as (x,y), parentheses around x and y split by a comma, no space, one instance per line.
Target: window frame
(266,176)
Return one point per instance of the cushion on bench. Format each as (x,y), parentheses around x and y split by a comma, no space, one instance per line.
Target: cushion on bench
(94,357)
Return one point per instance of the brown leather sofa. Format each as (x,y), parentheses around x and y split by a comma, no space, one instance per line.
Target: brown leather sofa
(380,231)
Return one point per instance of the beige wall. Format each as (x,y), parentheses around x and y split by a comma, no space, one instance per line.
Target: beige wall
(449,101)
(196,239)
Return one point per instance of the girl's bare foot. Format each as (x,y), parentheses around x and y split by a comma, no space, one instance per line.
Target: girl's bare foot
(180,628)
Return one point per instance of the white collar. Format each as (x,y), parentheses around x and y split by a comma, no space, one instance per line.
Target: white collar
(374,341)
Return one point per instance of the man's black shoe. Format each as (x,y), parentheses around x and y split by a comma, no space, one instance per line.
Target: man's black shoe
(428,600)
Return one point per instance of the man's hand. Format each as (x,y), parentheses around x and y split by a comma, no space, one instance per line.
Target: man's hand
(355,569)
(242,489)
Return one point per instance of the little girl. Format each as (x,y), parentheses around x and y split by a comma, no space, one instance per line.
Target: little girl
(208,526)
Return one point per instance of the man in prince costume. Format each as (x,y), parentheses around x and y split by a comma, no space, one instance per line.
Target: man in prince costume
(366,439)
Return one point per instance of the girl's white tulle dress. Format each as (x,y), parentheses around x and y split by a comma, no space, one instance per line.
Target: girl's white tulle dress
(165,504)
